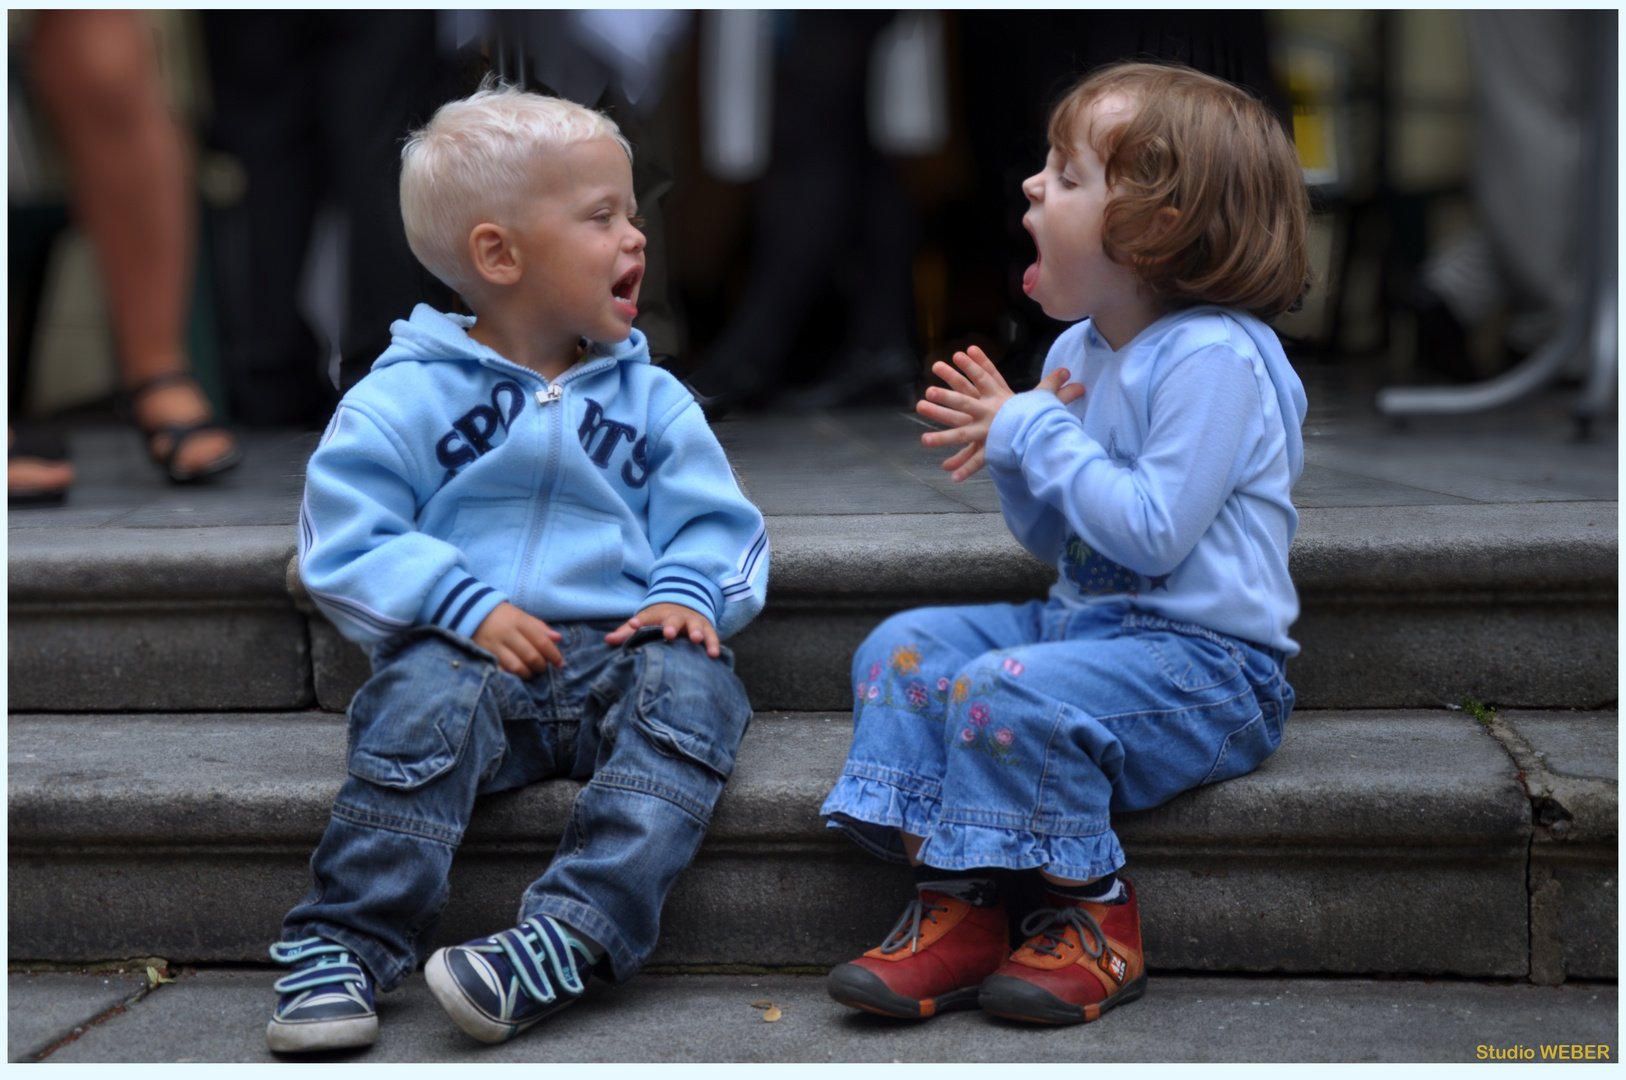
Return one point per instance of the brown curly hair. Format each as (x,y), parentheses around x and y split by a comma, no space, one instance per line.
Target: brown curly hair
(1211,206)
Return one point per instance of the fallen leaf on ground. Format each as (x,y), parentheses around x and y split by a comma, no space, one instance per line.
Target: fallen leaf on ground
(772,1014)
(155,978)
(764,1004)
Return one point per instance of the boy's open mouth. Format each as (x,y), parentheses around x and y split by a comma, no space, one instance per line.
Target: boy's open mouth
(625,290)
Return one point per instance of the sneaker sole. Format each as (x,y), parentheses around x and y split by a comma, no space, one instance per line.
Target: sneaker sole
(321,1035)
(1018,999)
(466,1015)
(459,1008)
(860,988)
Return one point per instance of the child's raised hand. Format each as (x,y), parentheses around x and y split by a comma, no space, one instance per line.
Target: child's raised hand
(522,643)
(674,619)
(969,404)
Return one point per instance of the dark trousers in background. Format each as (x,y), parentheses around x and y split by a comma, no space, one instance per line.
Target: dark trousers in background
(316,105)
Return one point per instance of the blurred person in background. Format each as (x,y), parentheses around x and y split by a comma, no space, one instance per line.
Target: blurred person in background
(1522,256)
(316,104)
(827,193)
(96,75)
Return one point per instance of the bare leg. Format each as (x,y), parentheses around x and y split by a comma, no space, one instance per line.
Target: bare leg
(96,72)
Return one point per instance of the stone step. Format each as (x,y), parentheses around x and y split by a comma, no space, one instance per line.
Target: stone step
(1403,607)
(1373,842)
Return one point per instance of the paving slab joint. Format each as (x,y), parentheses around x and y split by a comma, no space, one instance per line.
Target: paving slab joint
(1567,812)
(63,1039)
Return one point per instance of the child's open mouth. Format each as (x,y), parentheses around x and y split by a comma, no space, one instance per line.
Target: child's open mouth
(1030,276)
(625,291)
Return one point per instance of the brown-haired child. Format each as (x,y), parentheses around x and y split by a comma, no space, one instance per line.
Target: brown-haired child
(1153,466)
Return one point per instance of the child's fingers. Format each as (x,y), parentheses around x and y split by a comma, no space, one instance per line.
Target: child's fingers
(965,403)
(1070,393)
(943,417)
(510,662)
(952,377)
(961,457)
(931,410)
(971,467)
(714,647)
(537,647)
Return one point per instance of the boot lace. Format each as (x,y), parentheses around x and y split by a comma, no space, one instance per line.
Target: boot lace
(907,930)
(1046,929)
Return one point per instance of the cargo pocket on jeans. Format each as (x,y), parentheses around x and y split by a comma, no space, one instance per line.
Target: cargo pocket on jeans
(691,706)
(409,723)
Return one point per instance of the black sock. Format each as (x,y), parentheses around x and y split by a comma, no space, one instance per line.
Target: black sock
(1103,890)
(976,887)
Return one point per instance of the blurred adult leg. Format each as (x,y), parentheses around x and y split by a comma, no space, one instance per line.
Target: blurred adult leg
(96,72)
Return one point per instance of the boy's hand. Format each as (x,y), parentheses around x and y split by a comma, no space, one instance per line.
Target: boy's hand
(673,619)
(522,643)
(970,403)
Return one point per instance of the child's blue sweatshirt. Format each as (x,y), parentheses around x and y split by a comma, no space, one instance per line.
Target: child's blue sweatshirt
(451,479)
(1170,480)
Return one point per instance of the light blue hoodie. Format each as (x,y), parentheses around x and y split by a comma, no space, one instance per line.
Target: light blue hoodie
(1170,480)
(451,479)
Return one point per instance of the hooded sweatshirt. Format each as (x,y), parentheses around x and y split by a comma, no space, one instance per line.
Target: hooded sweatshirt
(1169,482)
(451,479)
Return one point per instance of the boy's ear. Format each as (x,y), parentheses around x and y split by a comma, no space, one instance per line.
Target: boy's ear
(496,260)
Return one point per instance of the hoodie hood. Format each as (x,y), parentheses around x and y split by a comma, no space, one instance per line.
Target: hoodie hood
(436,335)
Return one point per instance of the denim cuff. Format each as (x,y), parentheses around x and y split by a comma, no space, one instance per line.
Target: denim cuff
(386,969)
(959,846)
(873,812)
(624,963)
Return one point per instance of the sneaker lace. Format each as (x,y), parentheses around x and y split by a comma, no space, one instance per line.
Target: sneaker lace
(1046,928)
(318,963)
(917,910)
(534,948)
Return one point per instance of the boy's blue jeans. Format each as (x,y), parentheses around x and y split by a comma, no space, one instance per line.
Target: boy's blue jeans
(1005,735)
(655,724)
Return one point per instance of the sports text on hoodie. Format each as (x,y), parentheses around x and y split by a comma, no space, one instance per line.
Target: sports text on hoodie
(1170,480)
(451,480)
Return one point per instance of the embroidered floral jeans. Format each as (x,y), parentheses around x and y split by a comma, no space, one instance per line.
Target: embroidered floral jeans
(1006,735)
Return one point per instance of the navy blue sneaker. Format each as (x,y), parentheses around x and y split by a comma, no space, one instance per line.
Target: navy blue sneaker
(327,1000)
(495,987)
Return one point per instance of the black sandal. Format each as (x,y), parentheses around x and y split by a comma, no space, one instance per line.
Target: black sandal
(179,433)
(39,444)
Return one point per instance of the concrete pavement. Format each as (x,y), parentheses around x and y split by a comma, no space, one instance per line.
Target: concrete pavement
(219,1015)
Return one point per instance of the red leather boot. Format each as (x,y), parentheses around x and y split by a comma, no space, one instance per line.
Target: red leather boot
(1079,961)
(934,960)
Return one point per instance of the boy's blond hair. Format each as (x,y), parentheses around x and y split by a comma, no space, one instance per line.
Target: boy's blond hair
(476,160)
(1219,160)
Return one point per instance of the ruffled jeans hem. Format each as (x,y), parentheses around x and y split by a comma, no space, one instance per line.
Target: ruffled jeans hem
(956,845)
(874,814)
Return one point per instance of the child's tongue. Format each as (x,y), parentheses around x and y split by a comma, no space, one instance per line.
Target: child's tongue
(1030,277)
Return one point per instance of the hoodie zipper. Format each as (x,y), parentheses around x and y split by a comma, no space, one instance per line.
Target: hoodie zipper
(554,460)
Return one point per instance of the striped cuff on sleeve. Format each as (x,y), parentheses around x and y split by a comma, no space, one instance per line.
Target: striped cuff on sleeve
(460,603)
(677,585)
